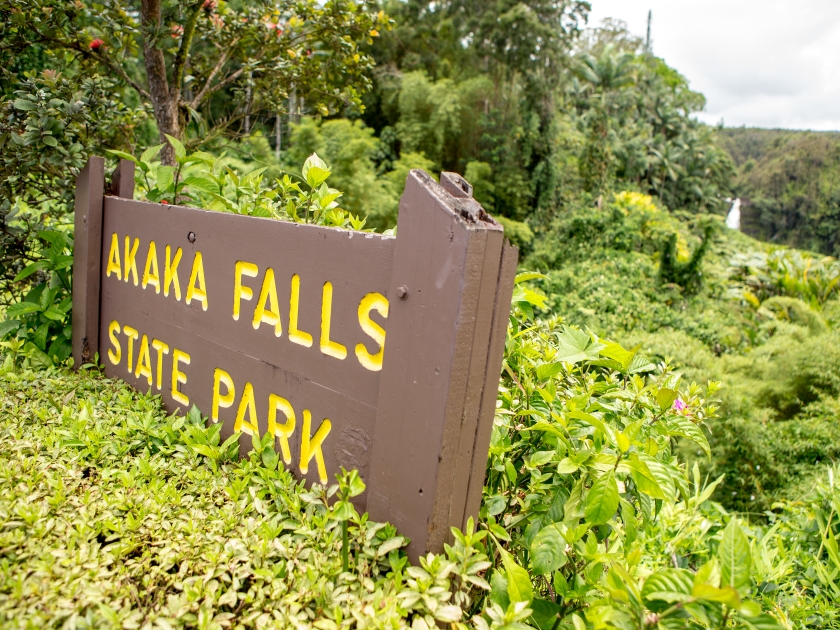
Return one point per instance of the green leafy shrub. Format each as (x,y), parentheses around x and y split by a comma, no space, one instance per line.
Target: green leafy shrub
(134,518)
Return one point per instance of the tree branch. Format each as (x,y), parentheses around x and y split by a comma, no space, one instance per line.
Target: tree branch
(215,71)
(184,49)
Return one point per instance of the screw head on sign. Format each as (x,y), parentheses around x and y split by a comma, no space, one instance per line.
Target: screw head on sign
(191,237)
(402,292)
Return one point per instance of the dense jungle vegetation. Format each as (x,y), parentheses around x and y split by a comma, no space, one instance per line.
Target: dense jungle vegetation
(663,451)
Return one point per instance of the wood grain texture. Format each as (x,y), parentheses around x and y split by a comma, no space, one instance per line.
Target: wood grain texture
(86,256)
(425,401)
(341,390)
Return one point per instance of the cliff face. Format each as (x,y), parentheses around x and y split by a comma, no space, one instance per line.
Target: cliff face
(789,183)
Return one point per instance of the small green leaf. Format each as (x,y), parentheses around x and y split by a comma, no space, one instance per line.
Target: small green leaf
(519,582)
(525,276)
(734,556)
(546,370)
(602,501)
(151,153)
(122,154)
(548,550)
(180,151)
(343,511)
(668,585)
(315,171)
(30,269)
(25,105)
(665,398)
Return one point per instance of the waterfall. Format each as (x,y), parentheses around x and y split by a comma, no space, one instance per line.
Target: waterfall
(733,219)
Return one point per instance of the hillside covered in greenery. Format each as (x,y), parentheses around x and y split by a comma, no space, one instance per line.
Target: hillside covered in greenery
(789,183)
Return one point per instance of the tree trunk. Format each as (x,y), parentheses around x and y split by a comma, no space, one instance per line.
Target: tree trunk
(164,101)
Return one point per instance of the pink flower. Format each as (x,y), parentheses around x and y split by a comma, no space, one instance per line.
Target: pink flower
(679,405)
(209,5)
(96,44)
(177,31)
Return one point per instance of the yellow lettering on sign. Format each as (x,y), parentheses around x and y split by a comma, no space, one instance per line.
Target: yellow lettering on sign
(114,258)
(179,356)
(113,331)
(295,334)
(131,258)
(281,431)
(199,291)
(270,315)
(379,303)
(249,405)
(219,377)
(170,273)
(311,447)
(144,360)
(241,292)
(162,349)
(132,334)
(329,347)
(151,273)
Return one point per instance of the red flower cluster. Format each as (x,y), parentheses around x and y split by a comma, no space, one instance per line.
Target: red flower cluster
(177,31)
(277,28)
(209,5)
(96,44)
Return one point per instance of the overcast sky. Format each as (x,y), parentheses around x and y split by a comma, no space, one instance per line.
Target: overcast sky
(760,63)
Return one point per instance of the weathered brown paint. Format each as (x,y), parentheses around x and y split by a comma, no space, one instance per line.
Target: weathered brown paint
(418,430)
(87,252)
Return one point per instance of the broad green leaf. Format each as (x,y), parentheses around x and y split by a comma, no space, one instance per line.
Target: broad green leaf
(665,398)
(25,105)
(165,178)
(544,613)
(269,458)
(511,471)
(617,353)
(315,171)
(662,476)
(622,441)
(548,550)
(50,141)
(546,370)
(519,582)
(180,150)
(540,458)
(30,269)
(602,501)
(734,556)
(668,585)
(21,308)
(203,184)
(711,593)
(574,346)
(123,155)
(343,511)
(641,364)
(528,275)
(151,153)
(682,426)
(8,326)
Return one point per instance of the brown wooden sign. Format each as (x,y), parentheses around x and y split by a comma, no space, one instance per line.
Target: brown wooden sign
(269,326)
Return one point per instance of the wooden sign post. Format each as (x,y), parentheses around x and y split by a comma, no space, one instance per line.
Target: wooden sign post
(271,326)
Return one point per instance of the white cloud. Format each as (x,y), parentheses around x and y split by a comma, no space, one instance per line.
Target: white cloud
(764,63)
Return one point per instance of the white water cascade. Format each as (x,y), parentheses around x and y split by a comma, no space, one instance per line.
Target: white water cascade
(733,219)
